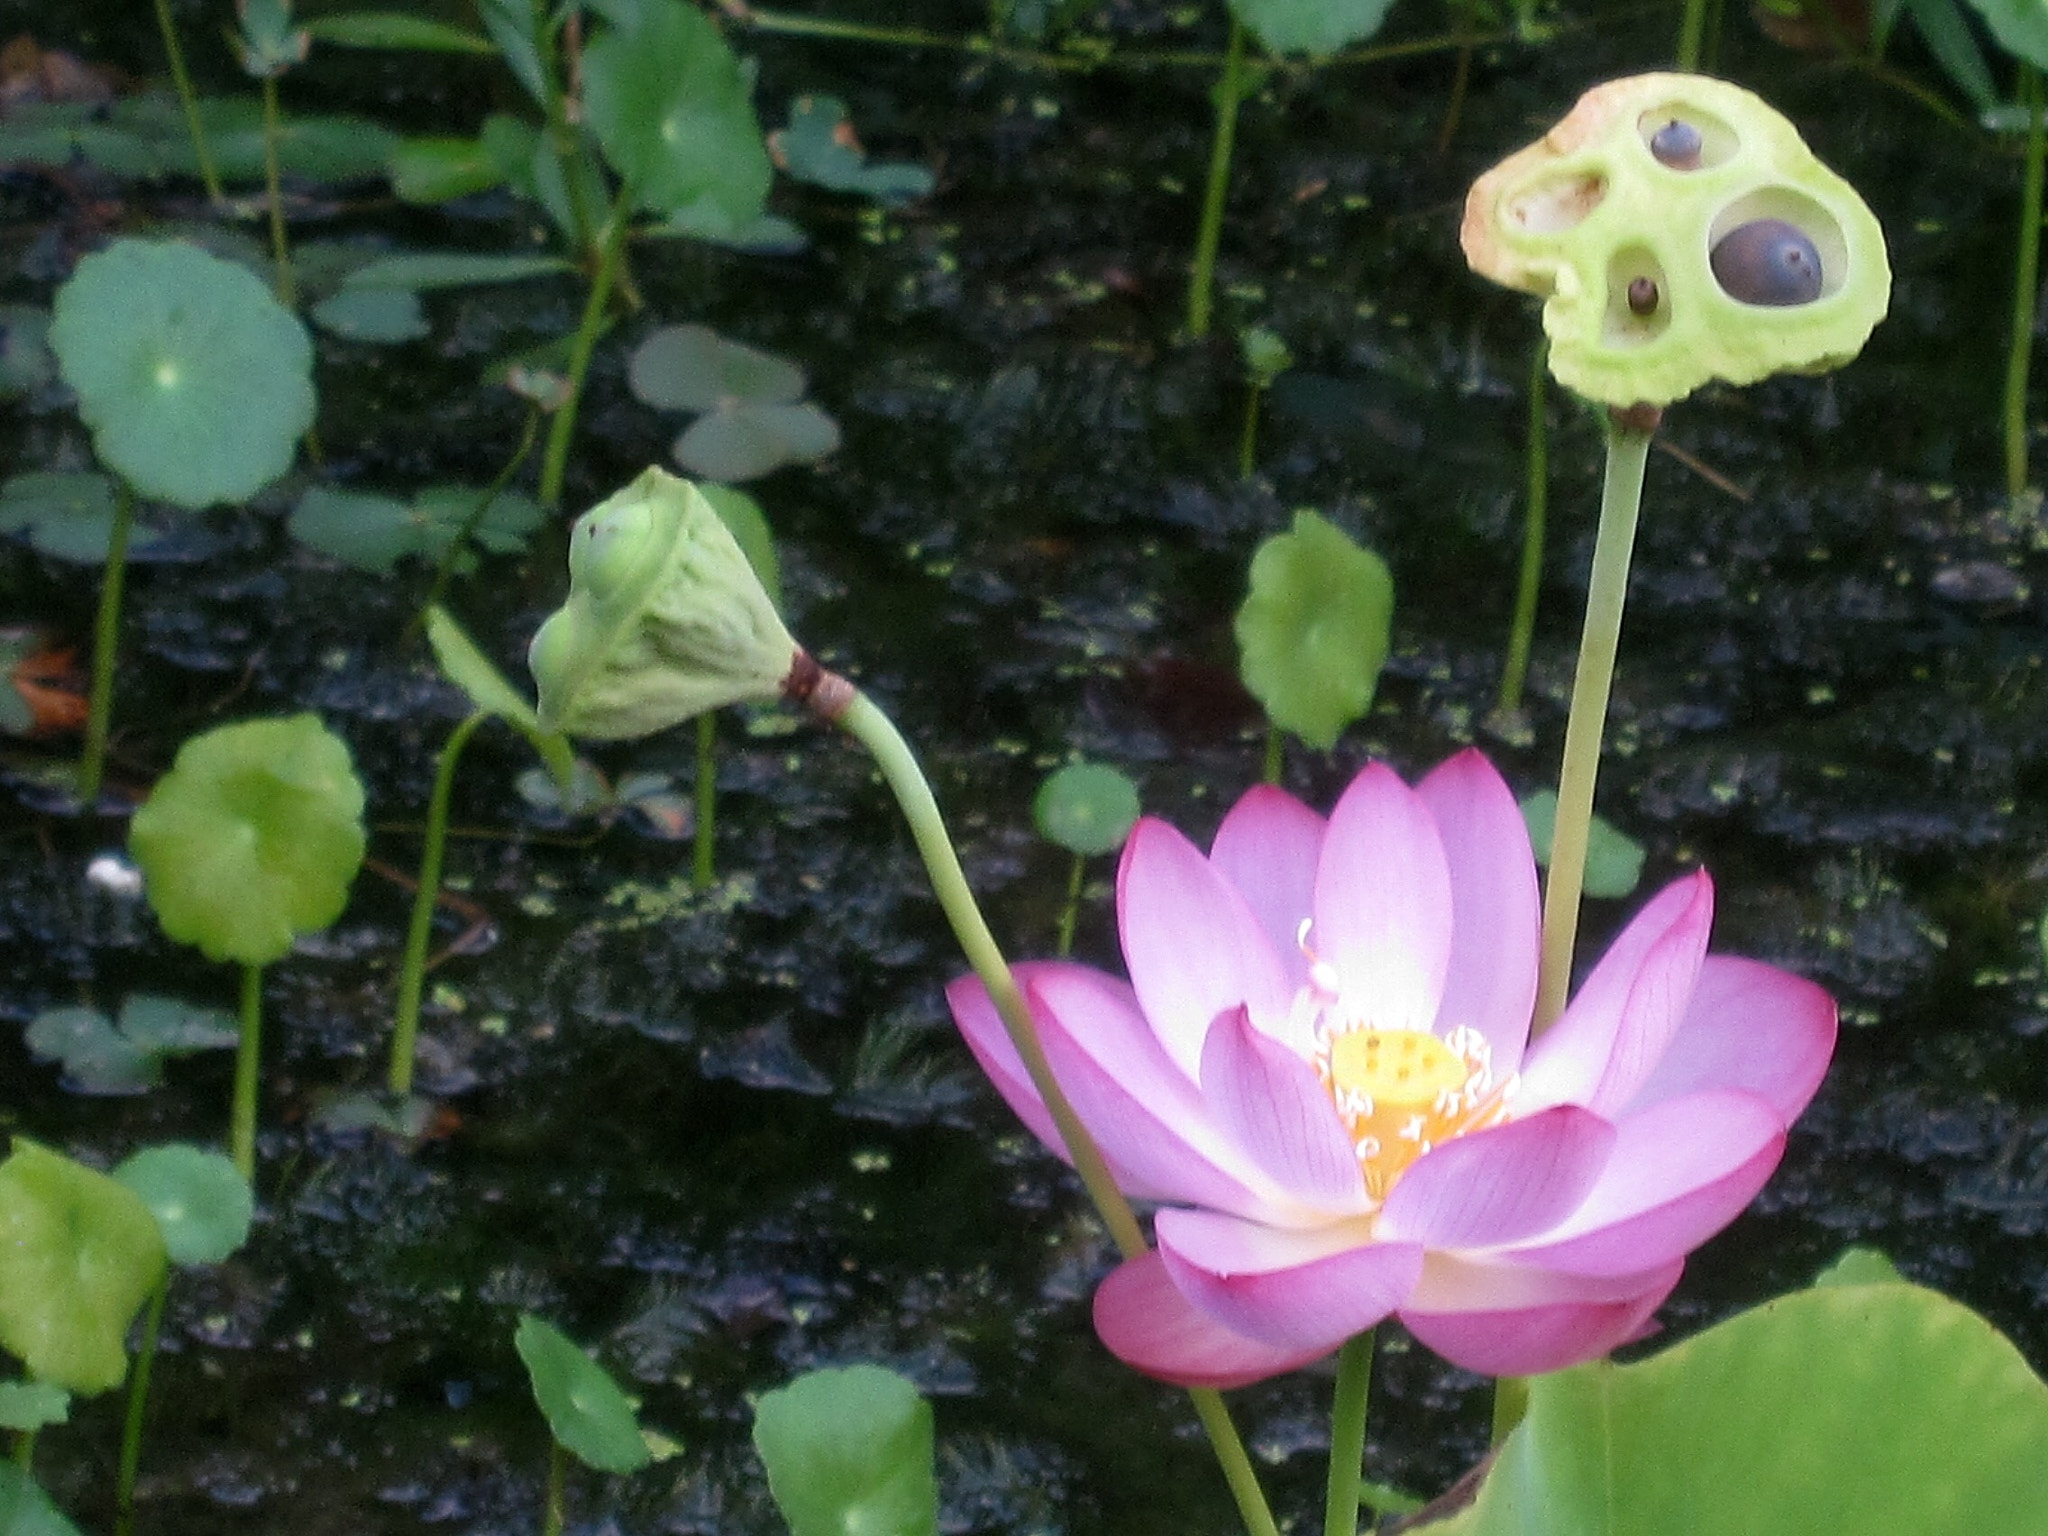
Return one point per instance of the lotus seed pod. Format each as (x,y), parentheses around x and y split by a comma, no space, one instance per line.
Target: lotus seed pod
(665,618)
(1678,231)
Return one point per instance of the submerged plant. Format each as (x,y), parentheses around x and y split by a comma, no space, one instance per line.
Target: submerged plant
(251,839)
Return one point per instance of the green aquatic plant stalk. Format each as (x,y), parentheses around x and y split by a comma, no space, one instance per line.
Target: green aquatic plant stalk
(862,719)
(1070,913)
(1621,495)
(703,850)
(1276,754)
(2026,283)
(412,970)
(562,139)
(248,1059)
(273,187)
(138,1403)
(106,636)
(444,568)
(562,430)
(1347,1435)
(174,52)
(1202,278)
(558,1479)
(1522,630)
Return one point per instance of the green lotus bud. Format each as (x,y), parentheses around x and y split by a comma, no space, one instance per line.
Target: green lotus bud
(665,619)
(1680,231)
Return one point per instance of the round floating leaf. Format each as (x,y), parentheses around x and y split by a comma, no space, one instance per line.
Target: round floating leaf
(78,1255)
(745,442)
(1086,808)
(1614,860)
(584,1406)
(25,1510)
(1860,1266)
(1315,629)
(253,836)
(748,524)
(102,1057)
(201,1203)
(819,146)
(1837,1411)
(1266,356)
(849,1450)
(30,1405)
(693,368)
(67,515)
(1311,26)
(672,108)
(196,382)
(372,314)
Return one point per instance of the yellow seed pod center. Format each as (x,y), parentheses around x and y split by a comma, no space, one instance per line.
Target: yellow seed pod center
(1395,1066)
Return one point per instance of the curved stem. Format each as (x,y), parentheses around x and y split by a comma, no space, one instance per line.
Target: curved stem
(444,568)
(412,971)
(703,862)
(1071,912)
(273,184)
(189,100)
(2026,284)
(555,463)
(1347,1435)
(106,637)
(1522,631)
(866,723)
(138,1402)
(1202,280)
(1621,495)
(242,1115)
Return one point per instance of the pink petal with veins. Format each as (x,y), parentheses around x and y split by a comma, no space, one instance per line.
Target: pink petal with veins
(1291,1289)
(1502,1185)
(1749,1026)
(1272,1104)
(1267,847)
(1151,1327)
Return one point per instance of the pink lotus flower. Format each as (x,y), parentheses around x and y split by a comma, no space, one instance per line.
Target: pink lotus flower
(1320,1070)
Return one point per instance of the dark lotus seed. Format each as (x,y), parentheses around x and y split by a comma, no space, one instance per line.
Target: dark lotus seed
(1677,144)
(1642,296)
(1767,261)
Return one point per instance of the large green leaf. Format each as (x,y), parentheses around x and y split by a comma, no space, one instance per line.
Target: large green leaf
(25,1510)
(672,107)
(2021,27)
(1839,1411)
(1311,26)
(849,1451)
(1314,631)
(1614,860)
(584,1406)
(196,382)
(79,1252)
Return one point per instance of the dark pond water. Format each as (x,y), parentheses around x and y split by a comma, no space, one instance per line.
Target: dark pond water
(728,1138)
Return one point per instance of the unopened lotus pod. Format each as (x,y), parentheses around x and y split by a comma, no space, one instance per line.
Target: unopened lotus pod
(665,618)
(1679,230)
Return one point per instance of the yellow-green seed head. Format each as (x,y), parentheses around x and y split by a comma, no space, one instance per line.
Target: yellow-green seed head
(1679,231)
(665,618)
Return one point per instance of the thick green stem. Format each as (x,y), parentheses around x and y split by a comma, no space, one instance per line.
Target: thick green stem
(1071,912)
(188,99)
(558,1478)
(866,723)
(1692,33)
(138,1403)
(412,971)
(1621,495)
(248,1057)
(703,850)
(555,462)
(1347,1435)
(2026,283)
(106,638)
(1522,632)
(1202,279)
(273,185)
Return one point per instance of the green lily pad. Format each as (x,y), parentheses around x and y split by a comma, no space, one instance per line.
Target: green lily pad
(101,1056)
(1311,26)
(1266,356)
(438,168)
(1086,808)
(1860,1266)
(819,147)
(372,314)
(25,1510)
(585,1409)
(79,1253)
(672,108)
(373,533)
(69,516)
(253,837)
(693,368)
(849,1450)
(201,1203)
(30,1405)
(471,671)
(1835,1411)
(1314,631)
(2021,27)
(196,382)
(1614,860)
(26,363)
(745,441)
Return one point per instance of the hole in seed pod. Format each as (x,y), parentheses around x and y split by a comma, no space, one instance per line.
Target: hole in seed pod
(1775,247)
(1638,310)
(1681,137)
